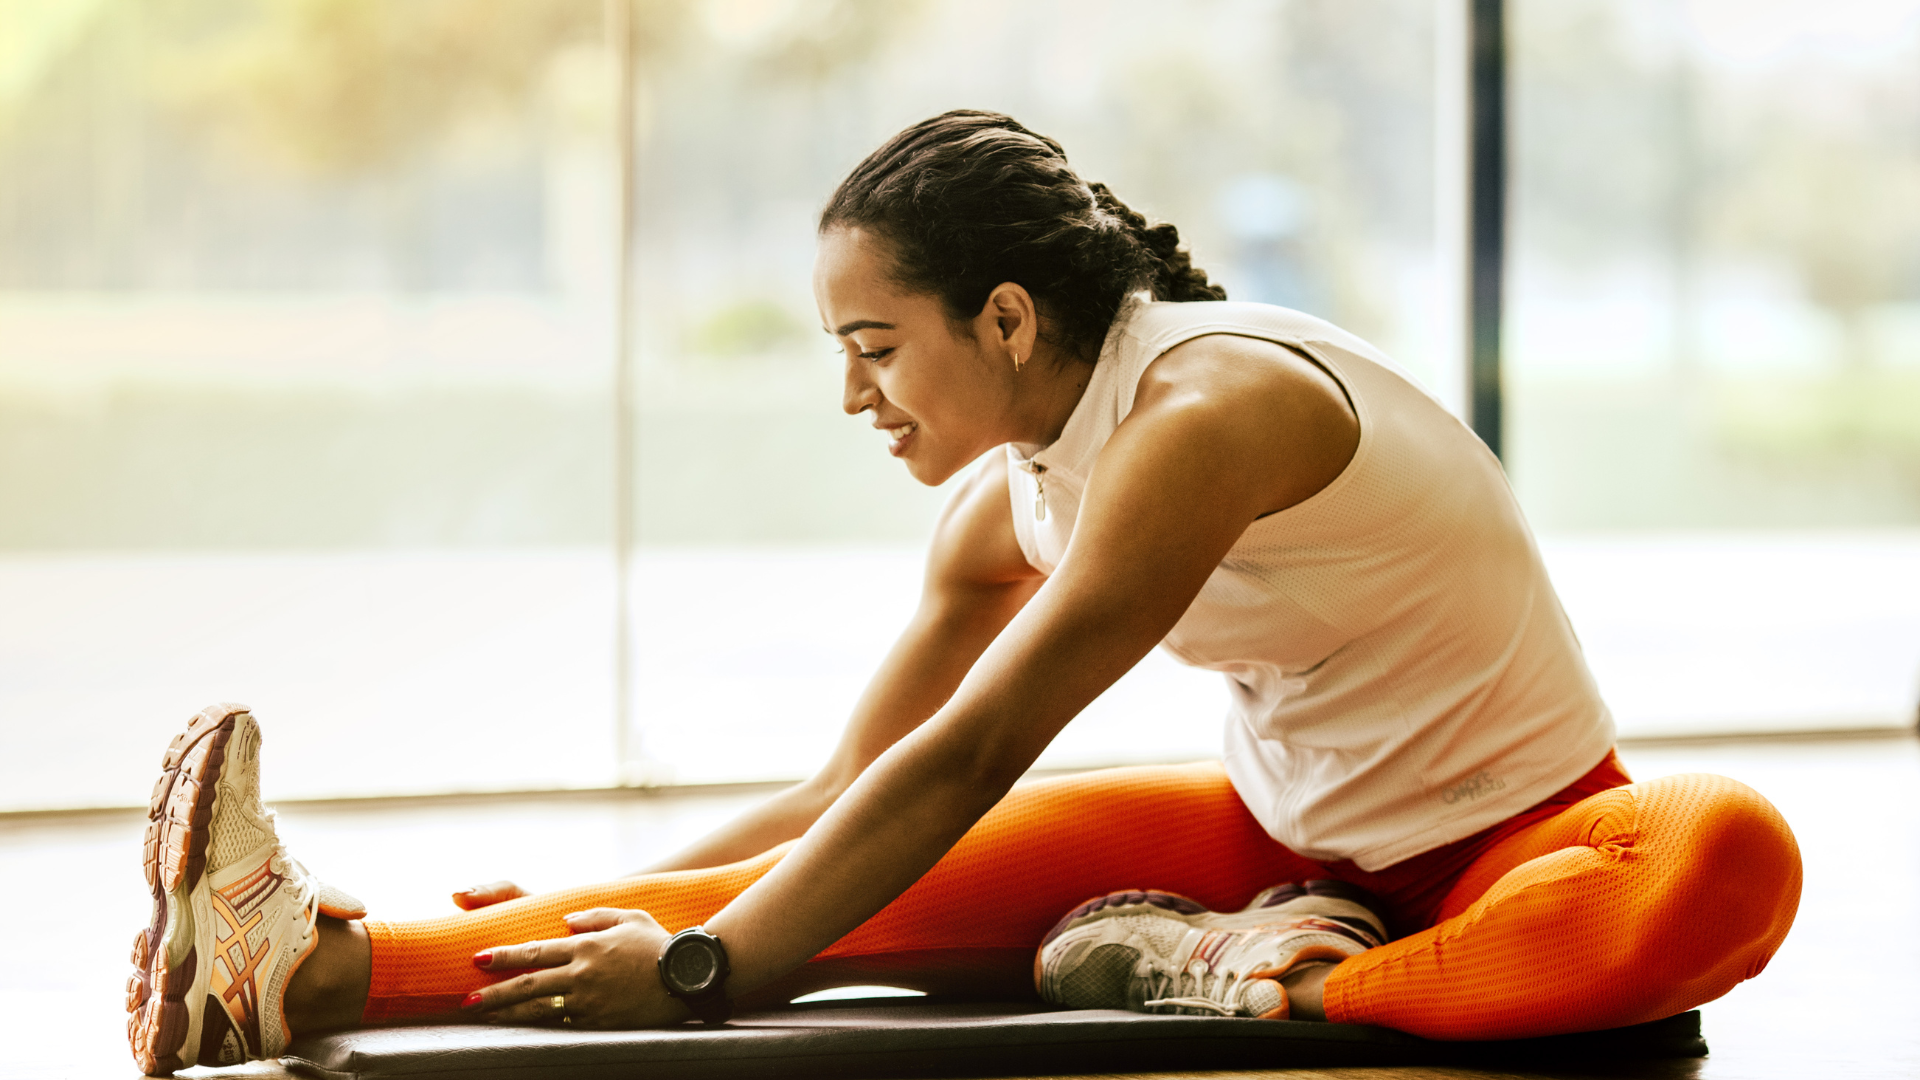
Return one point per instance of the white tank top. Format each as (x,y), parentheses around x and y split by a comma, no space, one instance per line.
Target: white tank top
(1401,672)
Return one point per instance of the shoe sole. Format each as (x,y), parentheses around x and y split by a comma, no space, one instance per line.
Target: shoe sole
(1132,898)
(174,858)
(1324,887)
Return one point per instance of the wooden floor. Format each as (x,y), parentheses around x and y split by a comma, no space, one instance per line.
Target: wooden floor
(1842,998)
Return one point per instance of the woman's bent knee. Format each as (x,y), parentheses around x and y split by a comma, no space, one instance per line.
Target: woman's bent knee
(1722,876)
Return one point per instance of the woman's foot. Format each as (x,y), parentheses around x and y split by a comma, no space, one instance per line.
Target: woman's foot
(233,915)
(1158,952)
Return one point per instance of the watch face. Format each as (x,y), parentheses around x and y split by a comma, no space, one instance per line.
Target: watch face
(691,966)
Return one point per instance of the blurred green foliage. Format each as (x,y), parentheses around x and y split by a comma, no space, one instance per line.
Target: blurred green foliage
(347,86)
(1629,144)
(346,129)
(1842,207)
(1765,219)
(747,328)
(1814,421)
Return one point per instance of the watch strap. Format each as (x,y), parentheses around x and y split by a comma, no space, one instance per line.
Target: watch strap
(712,1007)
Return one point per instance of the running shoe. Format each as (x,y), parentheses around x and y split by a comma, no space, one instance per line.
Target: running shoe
(1162,953)
(233,915)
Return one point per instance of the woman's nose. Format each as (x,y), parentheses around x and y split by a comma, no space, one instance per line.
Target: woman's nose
(860,393)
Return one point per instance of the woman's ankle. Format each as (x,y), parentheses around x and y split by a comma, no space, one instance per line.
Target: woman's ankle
(329,991)
(1303,986)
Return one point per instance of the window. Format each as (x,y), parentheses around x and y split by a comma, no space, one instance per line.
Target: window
(1714,351)
(313,346)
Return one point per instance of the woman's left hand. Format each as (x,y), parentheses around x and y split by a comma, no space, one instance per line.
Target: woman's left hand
(606,971)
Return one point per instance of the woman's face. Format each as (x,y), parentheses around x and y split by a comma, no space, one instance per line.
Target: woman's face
(941,396)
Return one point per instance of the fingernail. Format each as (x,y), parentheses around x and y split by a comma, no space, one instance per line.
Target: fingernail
(467,892)
(472,1000)
(571,915)
(483,959)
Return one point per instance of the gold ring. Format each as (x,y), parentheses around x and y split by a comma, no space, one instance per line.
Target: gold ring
(559,1003)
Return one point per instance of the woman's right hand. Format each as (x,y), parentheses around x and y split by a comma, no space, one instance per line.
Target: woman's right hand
(487,895)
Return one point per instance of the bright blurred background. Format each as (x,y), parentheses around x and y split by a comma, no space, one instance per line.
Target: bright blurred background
(309,313)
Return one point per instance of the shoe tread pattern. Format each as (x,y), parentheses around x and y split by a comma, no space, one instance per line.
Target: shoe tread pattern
(174,854)
(1338,890)
(1126,898)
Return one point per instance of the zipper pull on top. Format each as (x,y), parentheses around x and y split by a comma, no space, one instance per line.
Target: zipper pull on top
(1039,472)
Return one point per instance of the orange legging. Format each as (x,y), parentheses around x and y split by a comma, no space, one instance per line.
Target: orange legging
(1610,904)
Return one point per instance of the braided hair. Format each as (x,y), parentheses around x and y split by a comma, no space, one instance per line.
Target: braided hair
(968,200)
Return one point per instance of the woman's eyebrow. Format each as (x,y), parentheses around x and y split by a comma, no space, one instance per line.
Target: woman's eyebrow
(862,324)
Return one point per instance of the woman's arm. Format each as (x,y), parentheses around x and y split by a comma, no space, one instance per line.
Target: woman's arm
(976,580)
(1224,430)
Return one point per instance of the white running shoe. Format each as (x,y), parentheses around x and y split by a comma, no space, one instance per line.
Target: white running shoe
(1159,952)
(233,915)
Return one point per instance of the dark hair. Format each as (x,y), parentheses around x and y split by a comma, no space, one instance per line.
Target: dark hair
(970,199)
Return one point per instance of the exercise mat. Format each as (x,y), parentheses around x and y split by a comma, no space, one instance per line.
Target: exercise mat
(930,1037)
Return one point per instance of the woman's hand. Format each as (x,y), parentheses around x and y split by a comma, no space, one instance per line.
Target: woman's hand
(607,972)
(487,895)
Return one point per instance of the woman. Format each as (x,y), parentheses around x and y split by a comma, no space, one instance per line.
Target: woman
(1414,733)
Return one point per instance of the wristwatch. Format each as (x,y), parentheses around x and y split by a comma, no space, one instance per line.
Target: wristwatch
(693,965)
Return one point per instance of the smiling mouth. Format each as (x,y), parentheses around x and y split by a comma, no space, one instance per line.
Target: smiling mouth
(901,432)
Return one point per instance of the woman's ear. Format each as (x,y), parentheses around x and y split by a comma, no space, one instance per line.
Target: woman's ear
(1013,323)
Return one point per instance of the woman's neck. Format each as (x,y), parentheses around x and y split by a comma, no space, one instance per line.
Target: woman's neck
(1050,390)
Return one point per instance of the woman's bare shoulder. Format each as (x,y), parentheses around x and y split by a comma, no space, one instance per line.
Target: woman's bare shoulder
(1246,370)
(1261,402)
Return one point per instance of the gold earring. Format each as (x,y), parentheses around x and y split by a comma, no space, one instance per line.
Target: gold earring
(1016,363)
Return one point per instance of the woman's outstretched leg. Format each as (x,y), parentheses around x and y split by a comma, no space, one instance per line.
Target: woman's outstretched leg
(425,967)
(1631,905)
(972,922)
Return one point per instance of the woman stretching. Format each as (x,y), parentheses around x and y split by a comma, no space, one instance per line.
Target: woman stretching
(1418,821)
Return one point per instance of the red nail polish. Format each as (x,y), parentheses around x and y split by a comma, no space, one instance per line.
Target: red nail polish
(472,1000)
(482,959)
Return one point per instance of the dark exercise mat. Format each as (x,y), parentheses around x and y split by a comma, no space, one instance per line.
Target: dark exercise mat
(920,1037)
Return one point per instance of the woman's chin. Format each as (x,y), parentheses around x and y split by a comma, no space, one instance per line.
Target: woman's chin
(932,474)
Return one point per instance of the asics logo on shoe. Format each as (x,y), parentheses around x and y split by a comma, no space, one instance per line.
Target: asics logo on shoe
(243,949)
(246,895)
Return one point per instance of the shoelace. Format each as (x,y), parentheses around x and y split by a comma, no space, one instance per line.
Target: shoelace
(306,886)
(1190,990)
(1188,987)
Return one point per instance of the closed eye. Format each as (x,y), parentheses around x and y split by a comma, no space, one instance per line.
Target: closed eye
(876,355)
